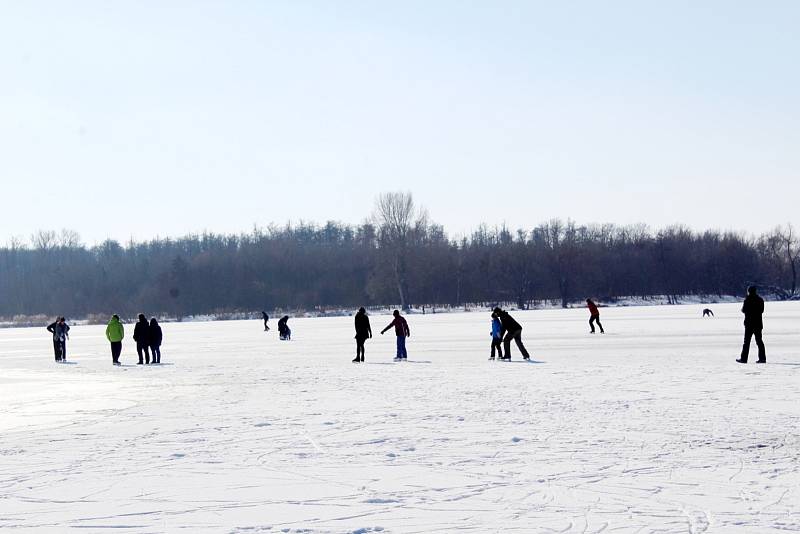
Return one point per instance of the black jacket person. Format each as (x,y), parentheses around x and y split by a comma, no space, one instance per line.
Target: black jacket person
(512,330)
(753,309)
(141,334)
(363,331)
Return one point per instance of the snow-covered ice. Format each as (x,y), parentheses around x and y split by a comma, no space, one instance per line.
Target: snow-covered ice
(650,427)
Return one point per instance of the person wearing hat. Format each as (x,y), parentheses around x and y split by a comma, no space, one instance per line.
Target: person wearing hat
(753,309)
(402,331)
(363,332)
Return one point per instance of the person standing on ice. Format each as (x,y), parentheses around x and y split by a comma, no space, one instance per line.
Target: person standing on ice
(141,335)
(753,308)
(594,316)
(266,318)
(284,331)
(497,337)
(60,330)
(115,333)
(511,330)
(363,332)
(155,340)
(402,331)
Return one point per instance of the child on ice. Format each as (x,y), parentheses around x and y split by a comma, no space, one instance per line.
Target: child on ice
(497,337)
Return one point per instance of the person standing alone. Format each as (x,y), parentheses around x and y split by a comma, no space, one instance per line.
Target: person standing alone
(363,332)
(60,331)
(115,333)
(141,335)
(594,316)
(402,331)
(753,309)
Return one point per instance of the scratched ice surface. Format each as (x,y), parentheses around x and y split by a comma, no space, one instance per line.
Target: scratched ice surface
(650,427)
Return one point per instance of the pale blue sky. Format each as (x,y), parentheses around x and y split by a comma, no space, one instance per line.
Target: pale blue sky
(122,119)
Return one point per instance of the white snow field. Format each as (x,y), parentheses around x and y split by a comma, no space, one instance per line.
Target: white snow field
(651,427)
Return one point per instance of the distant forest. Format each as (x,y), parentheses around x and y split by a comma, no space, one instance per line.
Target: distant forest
(399,257)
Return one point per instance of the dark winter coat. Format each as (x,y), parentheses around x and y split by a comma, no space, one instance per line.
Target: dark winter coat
(155,335)
(752,309)
(508,322)
(282,325)
(593,311)
(141,333)
(363,329)
(58,330)
(400,327)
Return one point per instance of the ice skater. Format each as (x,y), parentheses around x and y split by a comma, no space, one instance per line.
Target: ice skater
(594,316)
(511,330)
(60,330)
(266,319)
(753,309)
(283,328)
(141,335)
(363,332)
(497,337)
(115,333)
(156,335)
(707,312)
(402,331)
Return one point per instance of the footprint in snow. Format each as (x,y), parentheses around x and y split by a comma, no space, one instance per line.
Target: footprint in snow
(262,424)
(516,439)
(177,455)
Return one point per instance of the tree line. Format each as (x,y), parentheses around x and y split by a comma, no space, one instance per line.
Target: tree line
(396,257)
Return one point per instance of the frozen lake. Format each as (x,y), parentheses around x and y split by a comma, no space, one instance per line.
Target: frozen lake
(650,427)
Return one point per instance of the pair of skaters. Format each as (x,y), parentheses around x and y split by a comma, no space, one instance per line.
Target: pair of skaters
(504,329)
(60,330)
(284,331)
(148,337)
(364,332)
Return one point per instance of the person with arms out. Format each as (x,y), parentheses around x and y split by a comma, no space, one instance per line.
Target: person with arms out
(753,309)
(512,330)
(402,331)
(363,332)
(155,340)
(115,333)
(594,316)
(141,335)
(497,337)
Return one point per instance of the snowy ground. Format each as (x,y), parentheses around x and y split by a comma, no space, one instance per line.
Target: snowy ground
(651,427)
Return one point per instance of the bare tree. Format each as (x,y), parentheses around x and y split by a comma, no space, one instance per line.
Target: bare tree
(44,240)
(397,217)
(785,249)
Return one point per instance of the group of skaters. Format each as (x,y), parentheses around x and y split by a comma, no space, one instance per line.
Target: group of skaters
(147,335)
(506,329)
